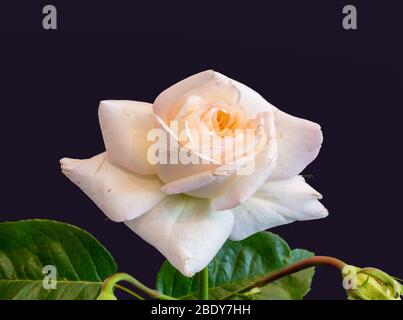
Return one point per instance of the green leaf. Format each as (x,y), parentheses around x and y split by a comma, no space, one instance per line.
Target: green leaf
(81,262)
(238,264)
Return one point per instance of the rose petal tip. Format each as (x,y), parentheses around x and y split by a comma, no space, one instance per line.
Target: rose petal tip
(325,213)
(190,267)
(68,164)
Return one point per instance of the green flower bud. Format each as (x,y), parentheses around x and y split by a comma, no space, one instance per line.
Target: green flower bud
(370,284)
(106,295)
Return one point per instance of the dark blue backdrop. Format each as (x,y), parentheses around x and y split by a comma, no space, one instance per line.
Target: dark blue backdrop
(297,55)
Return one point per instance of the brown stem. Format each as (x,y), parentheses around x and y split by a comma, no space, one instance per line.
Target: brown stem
(292,268)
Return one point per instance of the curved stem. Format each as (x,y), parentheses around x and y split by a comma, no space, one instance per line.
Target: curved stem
(292,268)
(111,282)
(129,291)
(203,284)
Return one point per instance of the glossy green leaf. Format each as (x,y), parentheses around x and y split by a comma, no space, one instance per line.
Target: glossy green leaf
(27,246)
(238,264)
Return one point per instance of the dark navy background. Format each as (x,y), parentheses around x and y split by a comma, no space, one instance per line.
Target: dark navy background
(297,55)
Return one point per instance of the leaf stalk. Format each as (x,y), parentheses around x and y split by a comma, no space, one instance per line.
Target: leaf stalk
(111,282)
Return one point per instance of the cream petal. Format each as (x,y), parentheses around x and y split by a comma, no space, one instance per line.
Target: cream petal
(207,184)
(195,178)
(122,195)
(125,125)
(206,86)
(299,142)
(246,185)
(189,183)
(209,84)
(276,203)
(185,230)
(252,102)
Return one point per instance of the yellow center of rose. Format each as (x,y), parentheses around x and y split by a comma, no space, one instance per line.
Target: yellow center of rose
(217,127)
(221,118)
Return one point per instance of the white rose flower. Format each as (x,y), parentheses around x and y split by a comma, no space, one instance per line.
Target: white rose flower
(187,211)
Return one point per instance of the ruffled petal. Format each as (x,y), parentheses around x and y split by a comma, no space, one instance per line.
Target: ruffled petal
(276,203)
(200,180)
(209,84)
(195,178)
(244,186)
(299,142)
(185,230)
(119,193)
(125,125)
(168,103)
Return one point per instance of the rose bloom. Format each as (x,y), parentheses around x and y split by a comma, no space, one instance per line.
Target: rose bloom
(187,211)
